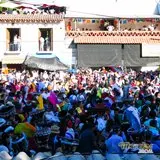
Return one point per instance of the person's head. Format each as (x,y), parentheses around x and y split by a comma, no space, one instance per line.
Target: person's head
(116,130)
(153,123)
(152,114)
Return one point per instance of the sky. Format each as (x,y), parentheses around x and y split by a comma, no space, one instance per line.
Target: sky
(106,7)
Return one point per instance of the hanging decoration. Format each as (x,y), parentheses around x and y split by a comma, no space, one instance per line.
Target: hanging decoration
(116,21)
(93,21)
(137,20)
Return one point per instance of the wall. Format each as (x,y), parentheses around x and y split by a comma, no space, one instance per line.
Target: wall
(2,41)
(99,55)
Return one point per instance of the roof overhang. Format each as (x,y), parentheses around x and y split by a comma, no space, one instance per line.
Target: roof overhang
(115,40)
(49,18)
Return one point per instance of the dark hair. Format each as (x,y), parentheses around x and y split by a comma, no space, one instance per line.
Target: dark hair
(152,114)
(153,123)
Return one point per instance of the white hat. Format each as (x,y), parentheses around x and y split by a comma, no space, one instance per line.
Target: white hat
(2,121)
(5,156)
(8,129)
(22,156)
(40,156)
(105,90)
(81,98)
(70,134)
(3,148)
(10,104)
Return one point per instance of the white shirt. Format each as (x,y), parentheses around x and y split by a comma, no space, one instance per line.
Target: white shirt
(41,40)
(110,28)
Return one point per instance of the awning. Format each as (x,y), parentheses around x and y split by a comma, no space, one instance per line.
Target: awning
(158,6)
(50,63)
(13,59)
(29,6)
(9,5)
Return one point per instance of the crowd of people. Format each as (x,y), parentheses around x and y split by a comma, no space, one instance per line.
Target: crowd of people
(80,112)
(29,10)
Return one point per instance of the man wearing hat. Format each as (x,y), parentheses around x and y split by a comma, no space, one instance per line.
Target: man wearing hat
(54,140)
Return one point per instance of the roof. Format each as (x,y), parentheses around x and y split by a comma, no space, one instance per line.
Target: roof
(13,59)
(49,18)
(9,5)
(115,37)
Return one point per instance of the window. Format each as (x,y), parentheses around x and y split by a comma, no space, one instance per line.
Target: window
(13,39)
(45,39)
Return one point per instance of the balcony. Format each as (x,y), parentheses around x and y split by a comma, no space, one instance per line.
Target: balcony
(13,49)
(45,46)
(114,37)
(28,47)
(113,33)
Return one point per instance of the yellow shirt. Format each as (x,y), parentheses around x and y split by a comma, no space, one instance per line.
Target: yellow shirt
(40,100)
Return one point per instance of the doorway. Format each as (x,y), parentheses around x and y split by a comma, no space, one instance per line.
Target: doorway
(45,39)
(13,39)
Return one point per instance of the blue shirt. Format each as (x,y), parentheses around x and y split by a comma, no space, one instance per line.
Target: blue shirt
(147,122)
(154,131)
(112,144)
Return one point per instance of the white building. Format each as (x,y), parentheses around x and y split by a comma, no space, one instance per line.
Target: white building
(20,36)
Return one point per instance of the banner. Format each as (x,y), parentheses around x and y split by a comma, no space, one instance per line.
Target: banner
(122,21)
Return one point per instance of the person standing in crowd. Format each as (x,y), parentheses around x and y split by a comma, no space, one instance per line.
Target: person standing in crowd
(87,141)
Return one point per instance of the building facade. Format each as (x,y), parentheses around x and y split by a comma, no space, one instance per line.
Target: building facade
(77,44)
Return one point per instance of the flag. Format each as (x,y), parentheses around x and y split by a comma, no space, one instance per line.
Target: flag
(80,20)
(84,20)
(93,21)
(88,20)
(97,21)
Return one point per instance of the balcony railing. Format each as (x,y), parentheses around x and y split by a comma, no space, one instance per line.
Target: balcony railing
(29,45)
(14,47)
(112,33)
(45,47)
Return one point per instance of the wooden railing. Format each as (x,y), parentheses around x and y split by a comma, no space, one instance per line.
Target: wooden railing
(113,33)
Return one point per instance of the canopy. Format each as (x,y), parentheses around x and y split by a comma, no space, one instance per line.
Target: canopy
(48,63)
(9,5)
(29,6)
